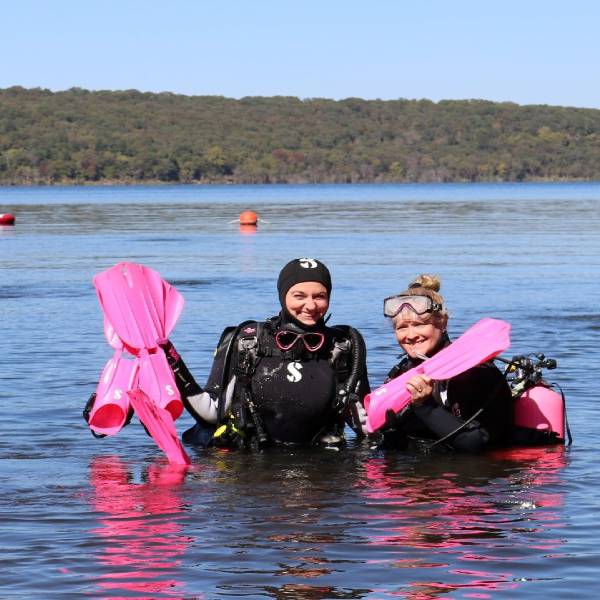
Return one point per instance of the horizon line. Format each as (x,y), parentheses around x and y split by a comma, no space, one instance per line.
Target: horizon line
(300,99)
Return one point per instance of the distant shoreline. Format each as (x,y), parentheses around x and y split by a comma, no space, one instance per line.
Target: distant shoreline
(100,184)
(78,137)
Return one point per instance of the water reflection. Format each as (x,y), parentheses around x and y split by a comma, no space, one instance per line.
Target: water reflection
(140,527)
(310,592)
(227,277)
(287,530)
(446,514)
(7,230)
(248,229)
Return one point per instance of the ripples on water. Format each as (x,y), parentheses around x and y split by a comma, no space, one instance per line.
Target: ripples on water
(109,518)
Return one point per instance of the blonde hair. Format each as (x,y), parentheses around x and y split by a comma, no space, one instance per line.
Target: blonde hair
(427,285)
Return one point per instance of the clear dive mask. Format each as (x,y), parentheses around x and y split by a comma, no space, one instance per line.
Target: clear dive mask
(420,305)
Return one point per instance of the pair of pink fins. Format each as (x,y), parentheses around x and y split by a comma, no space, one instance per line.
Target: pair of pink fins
(140,309)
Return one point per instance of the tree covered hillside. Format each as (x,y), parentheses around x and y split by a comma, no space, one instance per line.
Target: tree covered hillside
(78,136)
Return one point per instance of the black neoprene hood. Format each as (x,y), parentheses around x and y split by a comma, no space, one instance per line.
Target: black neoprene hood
(301,270)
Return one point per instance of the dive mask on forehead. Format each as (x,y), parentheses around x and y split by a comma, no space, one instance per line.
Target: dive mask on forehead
(420,305)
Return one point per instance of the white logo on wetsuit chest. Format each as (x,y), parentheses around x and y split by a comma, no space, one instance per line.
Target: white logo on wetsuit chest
(294,369)
(308,263)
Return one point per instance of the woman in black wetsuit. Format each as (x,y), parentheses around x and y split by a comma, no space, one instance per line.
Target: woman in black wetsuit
(470,412)
(290,379)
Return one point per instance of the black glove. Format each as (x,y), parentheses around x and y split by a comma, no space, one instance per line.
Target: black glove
(358,418)
(394,420)
(186,384)
(392,434)
(87,409)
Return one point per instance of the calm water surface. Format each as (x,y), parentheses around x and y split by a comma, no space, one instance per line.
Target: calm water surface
(111,519)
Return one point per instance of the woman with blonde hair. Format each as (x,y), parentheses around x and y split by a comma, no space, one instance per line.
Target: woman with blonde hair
(470,412)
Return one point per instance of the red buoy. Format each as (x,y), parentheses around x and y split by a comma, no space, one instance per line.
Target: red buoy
(248,217)
(7,219)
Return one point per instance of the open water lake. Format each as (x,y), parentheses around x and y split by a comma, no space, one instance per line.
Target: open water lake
(88,518)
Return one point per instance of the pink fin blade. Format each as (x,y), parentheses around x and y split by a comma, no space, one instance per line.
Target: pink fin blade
(139,305)
(111,335)
(484,340)
(386,397)
(124,304)
(147,293)
(159,423)
(173,307)
(163,301)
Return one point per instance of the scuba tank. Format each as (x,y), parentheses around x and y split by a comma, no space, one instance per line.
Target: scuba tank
(541,408)
(540,412)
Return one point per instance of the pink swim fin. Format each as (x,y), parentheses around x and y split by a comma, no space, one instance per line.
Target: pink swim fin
(159,423)
(157,380)
(111,405)
(111,335)
(481,342)
(139,309)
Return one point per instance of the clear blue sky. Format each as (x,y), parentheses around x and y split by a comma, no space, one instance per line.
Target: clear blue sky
(526,51)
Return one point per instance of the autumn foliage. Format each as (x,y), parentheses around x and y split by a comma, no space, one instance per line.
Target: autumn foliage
(78,136)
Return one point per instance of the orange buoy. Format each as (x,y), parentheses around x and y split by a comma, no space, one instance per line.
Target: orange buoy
(248,217)
(7,219)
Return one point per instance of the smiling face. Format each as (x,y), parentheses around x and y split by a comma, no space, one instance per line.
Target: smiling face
(418,336)
(307,302)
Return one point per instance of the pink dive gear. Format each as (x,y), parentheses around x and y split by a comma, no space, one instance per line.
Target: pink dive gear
(139,305)
(541,408)
(139,309)
(111,405)
(159,423)
(481,342)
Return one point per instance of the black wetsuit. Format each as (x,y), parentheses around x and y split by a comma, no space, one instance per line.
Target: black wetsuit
(292,393)
(451,405)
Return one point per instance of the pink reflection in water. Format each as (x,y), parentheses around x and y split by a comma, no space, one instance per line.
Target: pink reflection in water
(454,521)
(141,528)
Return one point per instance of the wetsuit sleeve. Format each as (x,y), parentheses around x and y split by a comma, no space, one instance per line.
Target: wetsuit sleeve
(203,406)
(482,387)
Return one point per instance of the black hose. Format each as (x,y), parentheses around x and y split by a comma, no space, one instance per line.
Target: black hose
(567,428)
(492,397)
(357,347)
